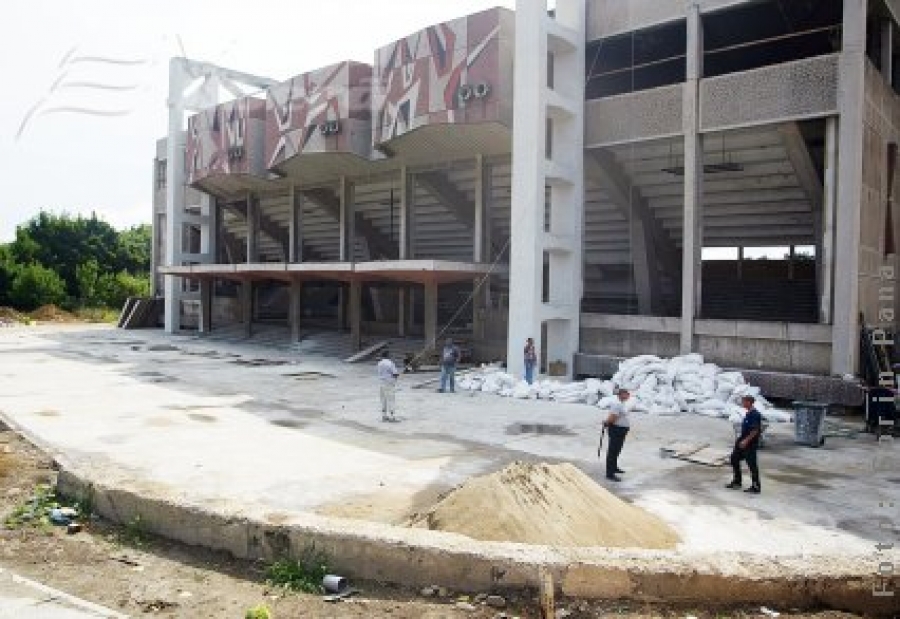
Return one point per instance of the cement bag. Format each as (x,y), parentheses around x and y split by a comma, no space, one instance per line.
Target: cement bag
(606,402)
(777,415)
(522,391)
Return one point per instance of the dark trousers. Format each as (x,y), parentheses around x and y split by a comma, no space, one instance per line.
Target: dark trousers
(749,455)
(616,441)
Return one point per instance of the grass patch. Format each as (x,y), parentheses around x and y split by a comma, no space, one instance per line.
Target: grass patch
(258,612)
(134,533)
(97,314)
(303,574)
(35,512)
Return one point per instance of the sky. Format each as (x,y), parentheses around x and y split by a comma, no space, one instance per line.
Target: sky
(86,83)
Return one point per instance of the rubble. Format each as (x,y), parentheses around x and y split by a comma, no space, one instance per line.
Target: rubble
(685,384)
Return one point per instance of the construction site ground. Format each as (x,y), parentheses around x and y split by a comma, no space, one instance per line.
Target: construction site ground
(240,428)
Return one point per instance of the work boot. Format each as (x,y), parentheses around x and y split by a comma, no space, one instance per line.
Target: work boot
(753,489)
(735,485)
(620,472)
(613,478)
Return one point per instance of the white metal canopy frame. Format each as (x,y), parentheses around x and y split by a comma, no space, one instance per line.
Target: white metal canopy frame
(193,86)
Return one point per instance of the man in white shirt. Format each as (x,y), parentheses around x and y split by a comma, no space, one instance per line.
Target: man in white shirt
(617,424)
(387,377)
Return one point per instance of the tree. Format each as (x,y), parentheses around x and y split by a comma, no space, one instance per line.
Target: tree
(87,276)
(35,285)
(133,253)
(8,268)
(113,290)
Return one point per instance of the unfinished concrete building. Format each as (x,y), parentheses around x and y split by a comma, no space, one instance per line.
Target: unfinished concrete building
(610,177)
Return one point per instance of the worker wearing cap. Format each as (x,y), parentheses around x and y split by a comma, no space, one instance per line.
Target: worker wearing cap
(617,425)
(746,445)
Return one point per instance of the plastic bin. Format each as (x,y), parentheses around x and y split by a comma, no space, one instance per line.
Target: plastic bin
(809,423)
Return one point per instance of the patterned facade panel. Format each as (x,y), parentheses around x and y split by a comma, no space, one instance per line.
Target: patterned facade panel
(636,116)
(789,91)
(450,73)
(323,111)
(226,139)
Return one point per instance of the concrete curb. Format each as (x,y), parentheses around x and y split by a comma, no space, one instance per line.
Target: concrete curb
(418,557)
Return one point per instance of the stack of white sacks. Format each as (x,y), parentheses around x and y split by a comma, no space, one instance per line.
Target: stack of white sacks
(683,384)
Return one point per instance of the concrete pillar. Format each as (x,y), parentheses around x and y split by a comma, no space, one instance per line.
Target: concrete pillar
(247,306)
(431,314)
(175,145)
(252,229)
(851,106)
(478,225)
(346,220)
(887,50)
(401,311)
(692,245)
(296,309)
(204,323)
(295,226)
(740,264)
(356,314)
(478,309)
(406,197)
(826,258)
(534,171)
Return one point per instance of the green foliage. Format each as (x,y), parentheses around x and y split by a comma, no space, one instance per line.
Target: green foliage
(258,612)
(87,276)
(303,574)
(35,512)
(97,266)
(134,533)
(114,289)
(35,285)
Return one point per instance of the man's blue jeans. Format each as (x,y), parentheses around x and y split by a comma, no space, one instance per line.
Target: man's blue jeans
(529,372)
(448,375)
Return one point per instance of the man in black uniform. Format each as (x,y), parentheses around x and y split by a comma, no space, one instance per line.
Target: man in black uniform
(617,425)
(746,445)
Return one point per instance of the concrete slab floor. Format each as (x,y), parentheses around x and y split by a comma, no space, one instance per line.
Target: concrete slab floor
(264,432)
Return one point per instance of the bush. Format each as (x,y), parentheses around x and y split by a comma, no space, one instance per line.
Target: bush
(113,290)
(34,286)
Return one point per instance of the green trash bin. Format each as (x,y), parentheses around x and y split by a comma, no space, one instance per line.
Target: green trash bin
(809,423)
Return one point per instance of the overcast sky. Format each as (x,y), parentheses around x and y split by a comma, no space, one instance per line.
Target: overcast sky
(85,83)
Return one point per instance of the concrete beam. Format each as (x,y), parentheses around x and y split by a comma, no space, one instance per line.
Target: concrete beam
(803,164)
(380,246)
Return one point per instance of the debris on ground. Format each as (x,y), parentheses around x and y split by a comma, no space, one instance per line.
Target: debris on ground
(51,313)
(527,499)
(685,384)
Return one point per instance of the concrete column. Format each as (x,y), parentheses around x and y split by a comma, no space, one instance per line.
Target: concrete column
(406,195)
(478,224)
(478,309)
(356,314)
(851,106)
(204,323)
(826,258)
(252,229)
(247,306)
(175,145)
(346,220)
(208,228)
(401,311)
(692,245)
(295,226)
(341,308)
(431,314)
(296,309)
(411,315)
(887,50)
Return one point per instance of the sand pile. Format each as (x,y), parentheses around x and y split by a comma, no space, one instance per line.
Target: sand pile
(51,313)
(8,313)
(540,503)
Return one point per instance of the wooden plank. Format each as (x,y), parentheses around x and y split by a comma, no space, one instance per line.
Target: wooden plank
(367,352)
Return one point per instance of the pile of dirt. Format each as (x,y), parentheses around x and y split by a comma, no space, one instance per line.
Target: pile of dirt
(51,313)
(539,503)
(8,314)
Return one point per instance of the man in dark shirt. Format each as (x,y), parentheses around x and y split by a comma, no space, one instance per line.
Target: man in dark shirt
(746,445)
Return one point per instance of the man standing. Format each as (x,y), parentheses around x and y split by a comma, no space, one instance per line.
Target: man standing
(449,358)
(387,377)
(530,360)
(745,447)
(617,425)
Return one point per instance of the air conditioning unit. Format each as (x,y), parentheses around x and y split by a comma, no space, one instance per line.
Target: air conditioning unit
(482,90)
(330,127)
(465,93)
